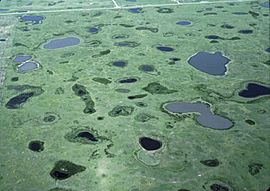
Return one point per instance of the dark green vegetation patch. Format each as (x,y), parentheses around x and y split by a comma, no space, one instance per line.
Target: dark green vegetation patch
(18,100)
(254,168)
(104,81)
(83,135)
(121,110)
(81,91)
(64,169)
(157,88)
(36,145)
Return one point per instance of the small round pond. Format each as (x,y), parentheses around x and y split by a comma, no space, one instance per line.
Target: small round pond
(150,144)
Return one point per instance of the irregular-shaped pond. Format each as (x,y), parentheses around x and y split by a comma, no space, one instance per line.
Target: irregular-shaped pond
(265,4)
(17,101)
(253,90)
(131,44)
(206,118)
(64,169)
(32,18)
(210,63)
(135,10)
(62,43)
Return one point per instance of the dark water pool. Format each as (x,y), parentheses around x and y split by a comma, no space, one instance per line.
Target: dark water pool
(150,144)
(253,90)
(165,48)
(135,10)
(184,23)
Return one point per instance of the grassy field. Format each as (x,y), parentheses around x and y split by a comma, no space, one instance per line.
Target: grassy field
(83,77)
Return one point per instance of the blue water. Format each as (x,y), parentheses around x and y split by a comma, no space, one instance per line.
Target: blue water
(22,58)
(4,10)
(32,18)
(120,63)
(206,118)
(183,23)
(62,43)
(265,4)
(27,67)
(135,10)
(93,30)
(254,90)
(213,64)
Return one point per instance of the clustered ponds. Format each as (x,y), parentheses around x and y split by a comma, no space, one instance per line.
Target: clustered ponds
(214,64)
(26,64)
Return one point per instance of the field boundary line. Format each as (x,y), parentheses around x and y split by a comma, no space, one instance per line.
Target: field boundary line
(127,7)
(115,4)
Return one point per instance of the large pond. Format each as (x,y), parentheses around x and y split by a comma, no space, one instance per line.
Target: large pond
(62,43)
(206,118)
(210,63)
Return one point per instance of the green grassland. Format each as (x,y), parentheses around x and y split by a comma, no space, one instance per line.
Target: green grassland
(24,5)
(117,162)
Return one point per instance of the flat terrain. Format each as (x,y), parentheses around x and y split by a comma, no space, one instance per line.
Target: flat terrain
(87,104)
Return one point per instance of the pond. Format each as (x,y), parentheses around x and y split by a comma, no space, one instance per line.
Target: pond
(253,90)
(165,48)
(22,58)
(265,4)
(184,23)
(32,18)
(120,63)
(27,67)
(150,144)
(62,43)
(210,63)
(206,118)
